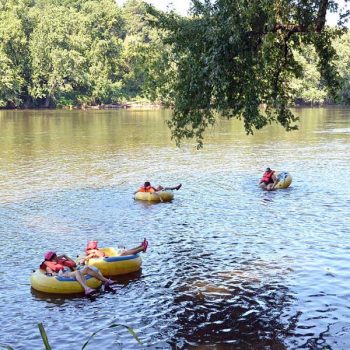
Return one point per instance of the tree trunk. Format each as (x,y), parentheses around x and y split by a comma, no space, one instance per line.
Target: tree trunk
(47,103)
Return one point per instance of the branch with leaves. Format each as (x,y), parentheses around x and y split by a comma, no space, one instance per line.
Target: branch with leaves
(233,56)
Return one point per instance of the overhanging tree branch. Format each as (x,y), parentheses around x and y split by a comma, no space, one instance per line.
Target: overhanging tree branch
(235,55)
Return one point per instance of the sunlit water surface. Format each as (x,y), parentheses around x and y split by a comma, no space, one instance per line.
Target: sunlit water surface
(228,267)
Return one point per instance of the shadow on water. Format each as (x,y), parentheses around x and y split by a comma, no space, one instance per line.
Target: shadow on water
(236,306)
(129,279)
(245,316)
(147,204)
(269,196)
(56,299)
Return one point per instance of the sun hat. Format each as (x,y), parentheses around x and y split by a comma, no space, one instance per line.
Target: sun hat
(48,255)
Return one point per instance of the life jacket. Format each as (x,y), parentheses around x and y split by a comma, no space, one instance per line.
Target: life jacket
(57,266)
(267,176)
(146,189)
(91,249)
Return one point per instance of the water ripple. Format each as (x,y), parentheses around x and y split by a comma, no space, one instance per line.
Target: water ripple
(228,266)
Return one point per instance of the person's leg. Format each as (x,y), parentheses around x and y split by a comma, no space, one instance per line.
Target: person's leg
(274,178)
(97,274)
(270,187)
(263,186)
(133,251)
(81,279)
(173,188)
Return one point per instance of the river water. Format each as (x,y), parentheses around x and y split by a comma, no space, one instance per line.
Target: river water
(228,266)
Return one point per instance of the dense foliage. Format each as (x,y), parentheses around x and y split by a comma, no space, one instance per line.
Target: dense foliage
(234,56)
(229,57)
(74,52)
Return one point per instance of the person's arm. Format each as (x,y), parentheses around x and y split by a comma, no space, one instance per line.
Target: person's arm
(67,261)
(49,271)
(261,179)
(87,258)
(65,257)
(275,180)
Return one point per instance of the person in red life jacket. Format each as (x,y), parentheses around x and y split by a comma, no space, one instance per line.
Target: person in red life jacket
(268,180)
(147,187)
(92,251)
(64,266)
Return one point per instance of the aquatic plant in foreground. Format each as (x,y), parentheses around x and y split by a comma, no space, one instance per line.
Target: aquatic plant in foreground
(48,347)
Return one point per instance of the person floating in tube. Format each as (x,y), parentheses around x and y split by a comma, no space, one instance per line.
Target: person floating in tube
(147,187)
(92,251)
(269,180)
(64,266)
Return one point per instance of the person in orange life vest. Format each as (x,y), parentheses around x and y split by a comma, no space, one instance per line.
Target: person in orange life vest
(268,180)
(147,187)
(92,251)
(64,266)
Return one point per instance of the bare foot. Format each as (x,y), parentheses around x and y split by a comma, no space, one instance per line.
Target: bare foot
(108,282)
(144,244)
(89,291)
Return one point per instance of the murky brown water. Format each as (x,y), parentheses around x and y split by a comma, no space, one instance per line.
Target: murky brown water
(228,266)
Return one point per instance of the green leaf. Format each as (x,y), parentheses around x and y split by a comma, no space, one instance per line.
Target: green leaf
(130,330)
(8,347)
(233,57)
(44,336)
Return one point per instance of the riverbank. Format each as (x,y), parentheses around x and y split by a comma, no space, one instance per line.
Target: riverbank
(126,105)
(157,105)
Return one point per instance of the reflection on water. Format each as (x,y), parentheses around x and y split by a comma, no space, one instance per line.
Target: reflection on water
(228,266)
(335,131)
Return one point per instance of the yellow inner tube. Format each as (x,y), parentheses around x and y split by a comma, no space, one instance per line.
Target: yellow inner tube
(59,285)
(113,264)
(284,179)
(160,196)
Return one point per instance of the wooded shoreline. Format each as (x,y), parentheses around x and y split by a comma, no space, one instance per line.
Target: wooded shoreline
(125,105)
(159,105)
(92,55)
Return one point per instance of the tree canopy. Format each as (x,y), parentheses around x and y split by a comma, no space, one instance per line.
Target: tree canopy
(234,56)
(231,58)
(73,52)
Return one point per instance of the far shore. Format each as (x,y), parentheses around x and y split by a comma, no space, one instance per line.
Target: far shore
(150,105)
(126,105)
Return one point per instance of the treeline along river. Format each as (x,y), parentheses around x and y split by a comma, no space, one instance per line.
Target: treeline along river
(227,264)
